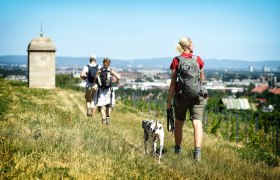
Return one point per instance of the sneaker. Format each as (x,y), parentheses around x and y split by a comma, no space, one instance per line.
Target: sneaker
(177,150)
(103,121)
(108,120)
(197,155)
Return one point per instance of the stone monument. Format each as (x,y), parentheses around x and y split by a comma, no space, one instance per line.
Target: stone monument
(41,63)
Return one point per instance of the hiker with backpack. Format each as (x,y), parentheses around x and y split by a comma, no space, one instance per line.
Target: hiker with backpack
(105,98)
(89,72)
(187,93)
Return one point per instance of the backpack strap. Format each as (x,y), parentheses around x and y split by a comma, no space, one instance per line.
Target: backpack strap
(88,67)
(181,58)
(88,74)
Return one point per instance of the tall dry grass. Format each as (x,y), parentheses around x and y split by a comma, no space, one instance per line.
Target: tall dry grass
(45,134)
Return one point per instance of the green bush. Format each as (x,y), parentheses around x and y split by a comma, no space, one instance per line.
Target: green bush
(66,81)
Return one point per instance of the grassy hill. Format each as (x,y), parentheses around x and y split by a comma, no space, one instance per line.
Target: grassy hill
(45,134)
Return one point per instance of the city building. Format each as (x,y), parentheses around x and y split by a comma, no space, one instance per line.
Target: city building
(251,68)
(266,69)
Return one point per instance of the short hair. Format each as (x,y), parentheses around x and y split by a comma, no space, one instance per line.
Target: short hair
(106,60)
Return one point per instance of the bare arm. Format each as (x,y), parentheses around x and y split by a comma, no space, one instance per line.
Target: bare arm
(115,74)
(171,88)
(83,74)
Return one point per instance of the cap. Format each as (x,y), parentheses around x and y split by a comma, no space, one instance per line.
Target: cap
(93,56)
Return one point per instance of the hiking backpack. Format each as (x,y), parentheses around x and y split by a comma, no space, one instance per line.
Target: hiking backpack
(188,77)
(92,71)
(104,79)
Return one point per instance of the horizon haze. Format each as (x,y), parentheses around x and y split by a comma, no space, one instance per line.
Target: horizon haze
(149,63)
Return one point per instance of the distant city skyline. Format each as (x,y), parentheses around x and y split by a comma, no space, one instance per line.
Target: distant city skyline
(242,30)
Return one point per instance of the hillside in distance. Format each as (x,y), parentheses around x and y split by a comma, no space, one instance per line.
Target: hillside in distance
(153,63)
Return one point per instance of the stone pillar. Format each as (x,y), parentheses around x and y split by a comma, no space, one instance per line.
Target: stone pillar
(41,63)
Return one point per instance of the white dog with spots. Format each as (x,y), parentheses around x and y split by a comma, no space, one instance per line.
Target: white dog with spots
(153,131)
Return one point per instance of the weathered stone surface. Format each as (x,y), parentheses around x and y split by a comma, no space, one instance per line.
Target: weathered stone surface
(41,63)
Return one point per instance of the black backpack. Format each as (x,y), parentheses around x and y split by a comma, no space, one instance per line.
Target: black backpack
(92,71)
(104,79)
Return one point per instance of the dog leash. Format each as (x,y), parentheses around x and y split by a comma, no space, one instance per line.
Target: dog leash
(170,120)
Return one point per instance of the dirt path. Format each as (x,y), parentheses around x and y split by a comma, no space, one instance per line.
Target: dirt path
(74,99)
(68,99)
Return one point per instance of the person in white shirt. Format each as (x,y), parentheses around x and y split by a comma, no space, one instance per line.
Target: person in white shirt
(89,72)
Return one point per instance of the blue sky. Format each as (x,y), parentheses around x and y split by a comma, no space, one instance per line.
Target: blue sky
(239,29)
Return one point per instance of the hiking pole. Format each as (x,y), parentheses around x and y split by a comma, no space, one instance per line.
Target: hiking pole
(170,120)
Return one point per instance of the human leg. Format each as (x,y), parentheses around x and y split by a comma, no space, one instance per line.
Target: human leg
(198,132)
(89,97)
(196,117)
(93,107)
(198,135)
(178,132)
(108,113)
(94,99)
(180,109)
(89,109)
(108,110)
(103,113)
(93,110)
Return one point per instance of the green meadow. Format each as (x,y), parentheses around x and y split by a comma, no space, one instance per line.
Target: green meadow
(45,134)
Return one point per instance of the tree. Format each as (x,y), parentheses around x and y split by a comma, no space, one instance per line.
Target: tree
(67,81)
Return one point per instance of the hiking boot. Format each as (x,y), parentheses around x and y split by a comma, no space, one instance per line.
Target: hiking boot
(89,112)
(197,155)
(177,150)
(108,120)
